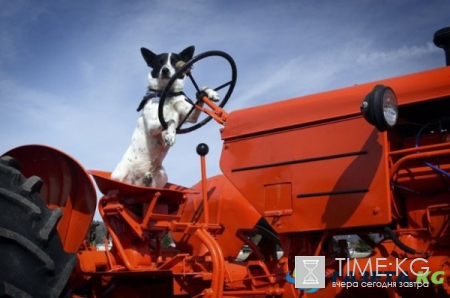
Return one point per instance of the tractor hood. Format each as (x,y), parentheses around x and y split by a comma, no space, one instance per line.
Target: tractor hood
(298,161)
(336,104)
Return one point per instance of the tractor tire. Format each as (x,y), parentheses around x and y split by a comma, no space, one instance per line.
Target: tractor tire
(32,260)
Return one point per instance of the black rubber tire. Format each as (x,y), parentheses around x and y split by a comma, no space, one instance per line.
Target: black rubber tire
(32,260)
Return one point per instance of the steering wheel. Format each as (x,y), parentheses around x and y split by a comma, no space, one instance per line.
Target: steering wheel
(213,108)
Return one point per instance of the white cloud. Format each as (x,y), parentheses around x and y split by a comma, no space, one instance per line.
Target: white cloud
(400,54)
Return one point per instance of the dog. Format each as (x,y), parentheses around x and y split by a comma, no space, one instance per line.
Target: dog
(142,162)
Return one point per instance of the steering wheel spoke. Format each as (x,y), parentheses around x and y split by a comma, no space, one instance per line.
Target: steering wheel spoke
(194,106)
(222,86)
(193,82)
(213,110)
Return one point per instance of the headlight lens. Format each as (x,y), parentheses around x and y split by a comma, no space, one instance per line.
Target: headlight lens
(380,107)
(390,107)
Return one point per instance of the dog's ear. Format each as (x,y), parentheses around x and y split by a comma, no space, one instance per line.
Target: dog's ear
(148,56)
(187,53)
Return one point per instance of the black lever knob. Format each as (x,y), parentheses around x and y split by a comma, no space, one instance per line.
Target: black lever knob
(202,149)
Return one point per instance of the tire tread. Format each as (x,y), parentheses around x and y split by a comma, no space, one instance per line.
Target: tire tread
(35,264)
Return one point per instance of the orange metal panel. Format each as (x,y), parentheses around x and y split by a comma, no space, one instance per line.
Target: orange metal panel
(337,174)
(227,207)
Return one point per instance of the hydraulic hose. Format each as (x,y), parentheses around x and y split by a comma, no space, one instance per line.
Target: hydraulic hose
(397,241)
(435,168)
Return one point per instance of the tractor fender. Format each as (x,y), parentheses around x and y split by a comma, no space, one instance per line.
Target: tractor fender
(67,185)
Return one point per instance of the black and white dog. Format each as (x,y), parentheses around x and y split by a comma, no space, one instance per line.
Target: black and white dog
(142,162)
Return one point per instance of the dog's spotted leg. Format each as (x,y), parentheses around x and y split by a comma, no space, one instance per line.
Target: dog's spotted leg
(170,133)
(148,178)
(211,94)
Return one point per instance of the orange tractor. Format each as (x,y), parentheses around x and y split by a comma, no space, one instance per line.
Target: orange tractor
(370,162)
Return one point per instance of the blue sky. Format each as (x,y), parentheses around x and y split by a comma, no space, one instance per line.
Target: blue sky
(71,73)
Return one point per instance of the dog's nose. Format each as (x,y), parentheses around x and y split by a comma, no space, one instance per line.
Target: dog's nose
(165,72)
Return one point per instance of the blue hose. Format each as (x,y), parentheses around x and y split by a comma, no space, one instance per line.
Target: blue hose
(435,168)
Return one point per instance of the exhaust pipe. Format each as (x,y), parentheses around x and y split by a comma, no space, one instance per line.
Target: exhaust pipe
(442,40)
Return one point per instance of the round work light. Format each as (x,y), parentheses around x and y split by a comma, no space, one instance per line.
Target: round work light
(380,107)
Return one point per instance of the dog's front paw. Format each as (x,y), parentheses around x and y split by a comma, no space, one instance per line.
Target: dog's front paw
(211,93)
(169,137)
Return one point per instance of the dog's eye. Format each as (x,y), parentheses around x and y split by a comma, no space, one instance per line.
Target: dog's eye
(161,61)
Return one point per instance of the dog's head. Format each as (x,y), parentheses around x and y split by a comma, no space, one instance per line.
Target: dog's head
(163,67)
